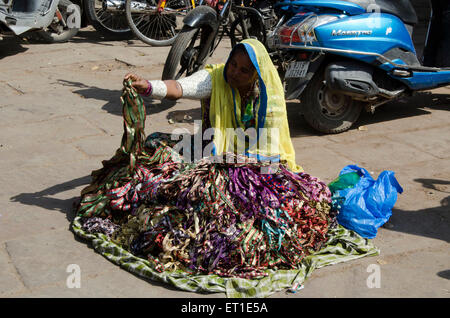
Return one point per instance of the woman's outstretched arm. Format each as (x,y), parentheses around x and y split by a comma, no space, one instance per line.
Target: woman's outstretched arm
(197,86)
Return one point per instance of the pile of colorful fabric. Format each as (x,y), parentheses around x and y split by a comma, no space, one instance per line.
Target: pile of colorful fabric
(227,218)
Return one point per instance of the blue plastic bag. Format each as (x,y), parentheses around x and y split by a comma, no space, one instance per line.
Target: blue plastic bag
(366,205)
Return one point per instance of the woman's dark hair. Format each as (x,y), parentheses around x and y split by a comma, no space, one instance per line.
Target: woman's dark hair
(238,48)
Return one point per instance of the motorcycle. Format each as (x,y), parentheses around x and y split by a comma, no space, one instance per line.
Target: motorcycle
(200,34)
(350,55)
(52,20)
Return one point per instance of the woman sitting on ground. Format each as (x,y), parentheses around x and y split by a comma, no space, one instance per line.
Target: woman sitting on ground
(246,92)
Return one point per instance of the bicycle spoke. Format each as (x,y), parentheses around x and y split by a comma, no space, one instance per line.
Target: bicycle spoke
(139,20)
(150,22)
(100,13)
(166,23)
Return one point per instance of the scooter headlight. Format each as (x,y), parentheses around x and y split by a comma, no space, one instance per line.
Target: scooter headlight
(300,28)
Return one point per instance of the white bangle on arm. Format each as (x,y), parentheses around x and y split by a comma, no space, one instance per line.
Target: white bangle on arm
(159,89)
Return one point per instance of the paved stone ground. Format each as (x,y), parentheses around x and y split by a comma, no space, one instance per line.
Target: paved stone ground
(60,115)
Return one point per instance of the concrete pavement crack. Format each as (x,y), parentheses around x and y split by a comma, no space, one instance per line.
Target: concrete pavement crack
(16,270)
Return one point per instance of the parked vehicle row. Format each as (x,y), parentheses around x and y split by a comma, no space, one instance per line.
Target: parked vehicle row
(153,22)
(336,57)
(347,58)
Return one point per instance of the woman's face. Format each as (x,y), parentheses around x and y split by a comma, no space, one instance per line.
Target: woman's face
(240,71)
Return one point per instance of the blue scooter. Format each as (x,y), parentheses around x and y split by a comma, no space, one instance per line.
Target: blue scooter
(347,55)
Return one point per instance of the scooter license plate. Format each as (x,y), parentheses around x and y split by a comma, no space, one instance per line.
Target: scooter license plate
(297,69)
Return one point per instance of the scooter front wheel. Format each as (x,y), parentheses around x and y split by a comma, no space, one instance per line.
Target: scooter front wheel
(328,111)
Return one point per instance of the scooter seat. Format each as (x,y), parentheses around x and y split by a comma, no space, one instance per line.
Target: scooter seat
(400,8)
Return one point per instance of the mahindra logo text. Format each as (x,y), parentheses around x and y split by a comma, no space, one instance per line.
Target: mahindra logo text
(351,32)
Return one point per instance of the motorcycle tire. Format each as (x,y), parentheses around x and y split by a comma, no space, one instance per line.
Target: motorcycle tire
(179,47)
(111,25)
(321,114)
(157,29)
(63,33)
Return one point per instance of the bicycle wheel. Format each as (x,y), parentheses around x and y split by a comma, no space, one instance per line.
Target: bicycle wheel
(154,24)
(109,22)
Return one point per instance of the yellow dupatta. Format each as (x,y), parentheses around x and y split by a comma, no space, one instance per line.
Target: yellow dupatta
(271,138)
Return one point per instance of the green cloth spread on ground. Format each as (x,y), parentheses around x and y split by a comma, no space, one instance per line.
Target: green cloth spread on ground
(342,246)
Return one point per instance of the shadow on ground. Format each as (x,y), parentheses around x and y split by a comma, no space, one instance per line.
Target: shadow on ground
(90,35)
(112,98)
(444,274)
(11,46)
(408,107)
(404,108)
(45,200)
(431,222)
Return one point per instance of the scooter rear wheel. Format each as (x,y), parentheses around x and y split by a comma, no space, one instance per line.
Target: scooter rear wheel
(327,111)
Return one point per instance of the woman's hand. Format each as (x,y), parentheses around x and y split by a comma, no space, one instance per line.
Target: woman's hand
(172,91)
(139,84)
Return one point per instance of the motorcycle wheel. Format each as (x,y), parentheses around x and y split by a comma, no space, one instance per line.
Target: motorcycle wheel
(328,111)
(182,59)
(110,24)
(56,31)
(153,27)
